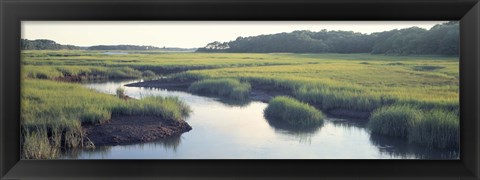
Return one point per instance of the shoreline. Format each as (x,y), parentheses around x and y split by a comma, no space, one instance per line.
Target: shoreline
(261,93)
(122,130)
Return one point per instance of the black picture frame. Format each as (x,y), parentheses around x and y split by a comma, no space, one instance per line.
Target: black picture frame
(12,12)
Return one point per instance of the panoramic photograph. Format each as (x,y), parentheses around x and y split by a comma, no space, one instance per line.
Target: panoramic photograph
(240,90)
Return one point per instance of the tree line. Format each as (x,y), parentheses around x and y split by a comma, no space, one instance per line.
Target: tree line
(45,44)
(442,39)
(42,44)
(122,47)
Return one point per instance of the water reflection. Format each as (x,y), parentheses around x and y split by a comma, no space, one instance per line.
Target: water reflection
(398,147)
(239,130)
(349,123)
(235,102)
(167,144)
(302,134)
(283,127)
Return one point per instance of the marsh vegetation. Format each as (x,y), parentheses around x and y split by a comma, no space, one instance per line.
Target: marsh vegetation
(415,98)
(293,112)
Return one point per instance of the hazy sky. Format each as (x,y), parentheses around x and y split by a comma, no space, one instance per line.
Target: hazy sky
(188,34)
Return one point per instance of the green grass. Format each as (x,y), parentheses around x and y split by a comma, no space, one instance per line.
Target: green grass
(347,84)
(81,73)
(434,128)
(225,88)
(50,107)
(360,82)
(396,120)
(293,112)
(37,145)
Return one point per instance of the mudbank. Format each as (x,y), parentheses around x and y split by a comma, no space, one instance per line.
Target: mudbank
(134,129)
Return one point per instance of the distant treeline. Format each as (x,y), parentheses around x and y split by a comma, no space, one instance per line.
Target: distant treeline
(441,39)
(45,44)
(122,47)
(42,44)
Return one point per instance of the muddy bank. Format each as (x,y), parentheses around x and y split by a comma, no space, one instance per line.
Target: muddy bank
(345,113)
(133,129)
(160,83)
(259,92)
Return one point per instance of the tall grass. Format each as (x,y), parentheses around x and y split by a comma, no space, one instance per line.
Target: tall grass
(53,112)
(394,120)
(359,82)
(431,128)
(293,112)
(37,145)
(81,73)
(226,88)
(166,107)
(437,129)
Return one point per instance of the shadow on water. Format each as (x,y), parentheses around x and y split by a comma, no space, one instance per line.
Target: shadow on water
(349,123)
(397,147)
(224,128)
(169,143)
(235,102)
(302,134)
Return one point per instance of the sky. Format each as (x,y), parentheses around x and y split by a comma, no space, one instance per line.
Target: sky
(188,34)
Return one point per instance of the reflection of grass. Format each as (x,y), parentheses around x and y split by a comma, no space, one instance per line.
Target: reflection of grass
(226,88)
(399,148)
(293,112)
(343,82)
(235,102)
(280,125)
(360,82)
(52,113)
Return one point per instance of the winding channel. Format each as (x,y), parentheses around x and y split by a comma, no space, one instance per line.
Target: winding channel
(225,131)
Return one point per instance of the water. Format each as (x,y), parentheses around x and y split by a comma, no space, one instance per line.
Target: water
(240,131)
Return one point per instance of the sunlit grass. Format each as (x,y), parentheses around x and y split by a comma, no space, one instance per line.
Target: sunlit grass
(225,88)
(50,107)
(293,112)
(361,82)
(397,120)
(437,129)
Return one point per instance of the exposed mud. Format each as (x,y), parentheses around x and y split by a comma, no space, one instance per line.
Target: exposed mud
(133,129)
(159,83)
(346,113)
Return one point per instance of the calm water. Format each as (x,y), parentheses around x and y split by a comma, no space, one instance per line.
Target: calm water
(239,131)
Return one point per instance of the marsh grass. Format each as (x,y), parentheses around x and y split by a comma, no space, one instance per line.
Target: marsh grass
(394,120)
(431,128)
(225,88)
(360,82)
(293,112)
(149,73)
(436,129)
(120,92)
(53,113)
(81,73)
(37,145)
